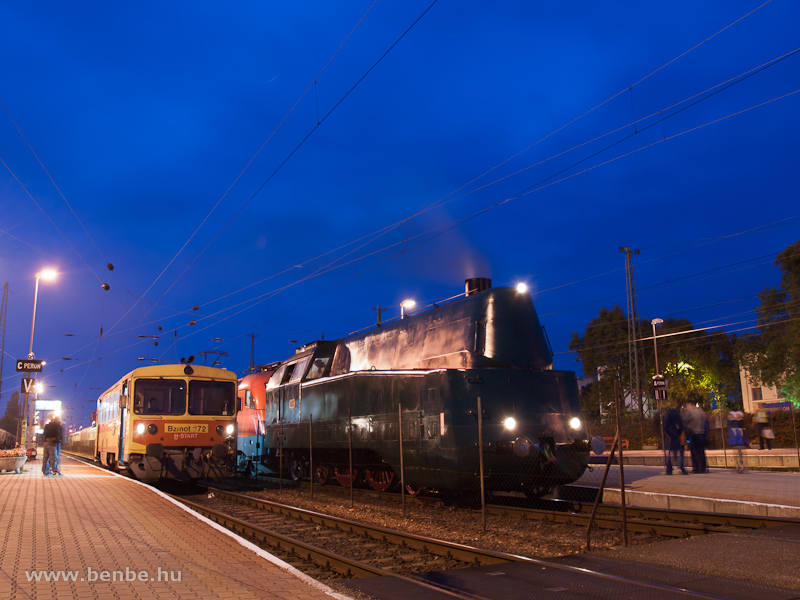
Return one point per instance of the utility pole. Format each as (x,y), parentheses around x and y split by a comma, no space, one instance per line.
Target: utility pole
(636,365)
(379,309)
(253,337)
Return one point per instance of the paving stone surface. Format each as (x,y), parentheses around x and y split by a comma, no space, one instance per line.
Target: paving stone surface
(117,539)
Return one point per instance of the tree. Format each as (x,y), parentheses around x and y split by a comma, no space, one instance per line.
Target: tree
(10,420)
(698,365)
(603,352)
(772,355)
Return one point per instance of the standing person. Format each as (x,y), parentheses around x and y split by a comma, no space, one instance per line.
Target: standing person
(736,437)
(764,430)
(694,422)
(60,438)
(52,438)
(673,427)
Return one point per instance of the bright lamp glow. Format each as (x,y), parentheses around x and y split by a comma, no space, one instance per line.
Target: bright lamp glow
(229,430)
(140,428)
(522,288)
(510,423)
(406,304)
(575,423)
(47,274)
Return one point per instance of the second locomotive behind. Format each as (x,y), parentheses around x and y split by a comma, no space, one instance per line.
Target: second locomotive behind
(423,378)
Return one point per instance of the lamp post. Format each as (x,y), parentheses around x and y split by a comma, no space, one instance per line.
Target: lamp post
(47,275)
(658,376)
(404,305)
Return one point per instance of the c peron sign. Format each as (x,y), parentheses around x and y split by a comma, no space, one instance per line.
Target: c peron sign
(30,366)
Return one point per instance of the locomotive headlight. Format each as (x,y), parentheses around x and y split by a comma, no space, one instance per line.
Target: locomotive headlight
(152,429)
(575,423)
(229,429)
(140,428)
(510,423)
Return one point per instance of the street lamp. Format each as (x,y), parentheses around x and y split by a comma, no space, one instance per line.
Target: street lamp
(47,275)
(658,376)
(655,322)
(404,305)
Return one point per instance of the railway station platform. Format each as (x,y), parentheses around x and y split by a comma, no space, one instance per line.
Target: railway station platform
(722,490)
(92,534)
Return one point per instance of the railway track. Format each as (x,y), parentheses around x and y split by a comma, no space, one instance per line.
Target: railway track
(662,522)
(329,548)
(320,538)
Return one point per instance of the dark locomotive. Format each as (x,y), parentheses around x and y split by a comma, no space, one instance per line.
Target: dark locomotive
(424,376)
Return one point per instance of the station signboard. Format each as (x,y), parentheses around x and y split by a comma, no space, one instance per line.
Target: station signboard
(29,365)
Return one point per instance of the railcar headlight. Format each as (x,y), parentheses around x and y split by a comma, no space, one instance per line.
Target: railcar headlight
(229,429)
(140,428)
(152,429)
(575,423)
(219,429)
(510,423)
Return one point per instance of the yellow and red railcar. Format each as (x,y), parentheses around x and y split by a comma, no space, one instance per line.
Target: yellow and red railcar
(169,422)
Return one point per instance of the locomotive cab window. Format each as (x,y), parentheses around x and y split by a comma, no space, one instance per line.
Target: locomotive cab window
(299,369)
(211,398)
(318,367)
(277,377)
(159,397)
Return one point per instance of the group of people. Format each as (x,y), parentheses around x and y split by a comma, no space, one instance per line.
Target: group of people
(51,460)
(690,422)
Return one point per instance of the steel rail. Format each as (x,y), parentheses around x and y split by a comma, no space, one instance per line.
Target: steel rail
(409,540)
(352,567)
(668,522)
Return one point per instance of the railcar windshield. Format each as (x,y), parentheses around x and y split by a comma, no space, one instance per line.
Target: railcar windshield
(212,397)
(159,397)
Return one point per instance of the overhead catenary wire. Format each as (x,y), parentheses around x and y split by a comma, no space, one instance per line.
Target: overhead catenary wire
(429,7)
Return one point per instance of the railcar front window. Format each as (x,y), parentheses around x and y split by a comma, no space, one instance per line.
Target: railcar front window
(159,397)
(211,397)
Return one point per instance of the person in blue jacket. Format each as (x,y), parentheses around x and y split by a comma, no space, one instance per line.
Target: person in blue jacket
(673,427)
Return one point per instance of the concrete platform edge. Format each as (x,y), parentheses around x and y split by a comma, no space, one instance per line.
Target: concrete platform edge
(240,540)
(695,503)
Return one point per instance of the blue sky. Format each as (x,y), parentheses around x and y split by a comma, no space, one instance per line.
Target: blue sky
(287,167)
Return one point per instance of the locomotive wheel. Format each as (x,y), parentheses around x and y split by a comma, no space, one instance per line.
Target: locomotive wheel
(297,469)
(534,492)
(344,476)
(380,478)
(414,490)
(323,474)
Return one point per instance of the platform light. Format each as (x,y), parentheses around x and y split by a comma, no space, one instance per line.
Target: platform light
(510,423)
(575,423)
(522,288)
(406,304)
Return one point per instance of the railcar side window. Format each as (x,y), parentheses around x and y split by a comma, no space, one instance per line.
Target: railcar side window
(318,368)
(159,397)
(211,397)
(248,399)
(299,369)
(277,377)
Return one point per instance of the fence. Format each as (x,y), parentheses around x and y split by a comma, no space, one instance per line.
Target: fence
(464,462)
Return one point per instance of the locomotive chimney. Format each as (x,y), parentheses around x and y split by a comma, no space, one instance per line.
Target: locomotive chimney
(476,285)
